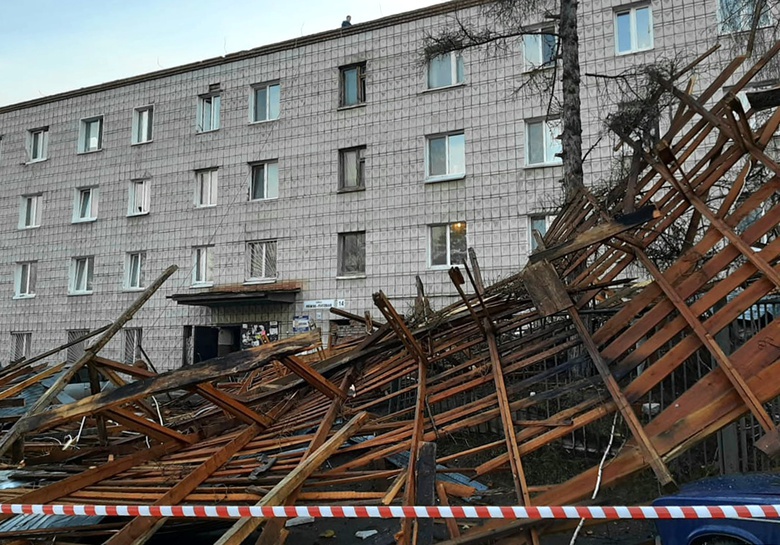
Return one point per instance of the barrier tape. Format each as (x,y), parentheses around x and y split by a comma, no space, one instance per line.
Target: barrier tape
(445,512)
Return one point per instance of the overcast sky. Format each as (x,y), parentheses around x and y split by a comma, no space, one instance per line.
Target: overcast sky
(51,46)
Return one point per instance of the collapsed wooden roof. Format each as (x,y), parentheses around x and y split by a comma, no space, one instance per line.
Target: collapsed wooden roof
(259,425)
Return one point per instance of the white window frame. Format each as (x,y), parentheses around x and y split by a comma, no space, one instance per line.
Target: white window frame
(206,187)
(133,340)
(86,287)
(138,197)
(532,218)
(26,343)
(92,212)
(449,175)
(25,279)
(35,203)
(457,70)
(268,167)
(745,18)
(202,266)
(264,277)
(360,159)
(340,269)
(534,41)
(85,144)
(254,110)
(134,279)
(449,226)
(632,18)
(214,113)
(548,135)
(143,125)
(38,149)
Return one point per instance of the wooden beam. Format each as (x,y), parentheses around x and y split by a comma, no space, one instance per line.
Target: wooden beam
(148,427)
(279,493)
(426,490)
(312,377)
(23,385)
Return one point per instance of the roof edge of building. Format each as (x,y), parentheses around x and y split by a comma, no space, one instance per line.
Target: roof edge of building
(390,20)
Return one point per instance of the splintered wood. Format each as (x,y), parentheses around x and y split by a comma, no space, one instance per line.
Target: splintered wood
(605,311)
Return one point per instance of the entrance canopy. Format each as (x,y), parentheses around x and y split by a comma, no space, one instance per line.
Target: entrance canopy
(241,294)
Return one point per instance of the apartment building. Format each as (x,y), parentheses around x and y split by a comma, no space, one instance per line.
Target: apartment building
(297,176)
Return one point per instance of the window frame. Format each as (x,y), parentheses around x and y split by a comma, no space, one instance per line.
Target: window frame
(128,284)
(254,167)
(360,82)
(746,19)
(449,226)
(341,272)
(27,277)
(537,36)
(132,197)
(631,10)
(26,342)
(37,200)
(448,175)
(532,218)
(93,204)
(89,263)
(198,263)
(215,113)
(457,71)
(213,188)
(547,134)
(138,114)
(265,278)
(360,169)
(254,88)
(32,148)
(136,333)
(84,135)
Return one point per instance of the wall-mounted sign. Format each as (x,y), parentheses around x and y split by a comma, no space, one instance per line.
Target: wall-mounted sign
(301,324)
(324,303)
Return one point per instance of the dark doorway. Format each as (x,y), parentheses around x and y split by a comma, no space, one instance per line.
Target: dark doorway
(205,343)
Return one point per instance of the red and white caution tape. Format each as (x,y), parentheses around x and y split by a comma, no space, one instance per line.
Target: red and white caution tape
(455,512)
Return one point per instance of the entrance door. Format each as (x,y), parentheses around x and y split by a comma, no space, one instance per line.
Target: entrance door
(206,343)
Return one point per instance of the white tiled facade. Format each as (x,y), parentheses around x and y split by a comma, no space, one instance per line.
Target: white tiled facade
(495,197)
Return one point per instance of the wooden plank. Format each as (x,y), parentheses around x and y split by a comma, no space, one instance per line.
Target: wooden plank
(23,385)
(426,490)
(148,427)
(140,529)
(452,524)
(312,377)
(278,494)
(545,288)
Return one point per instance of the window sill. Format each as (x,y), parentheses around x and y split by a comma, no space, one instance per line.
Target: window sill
(442,88)
(84,220)
(142,143)
(208,131)
(33,161)
(202,285)
(537,69)
(256,281)
(132,290)
(264,200)
(263,121)
(542,165)
(633,52)
(87,152)
(79,293)
(351,189)
(444,267)
(351,277)
(201,206)
(351,106)
(28,227)
(138,214)
(445,178)
(25,296)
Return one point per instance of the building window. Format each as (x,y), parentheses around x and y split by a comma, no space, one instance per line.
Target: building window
(25,279)
(134,270)
(143,119)
(201,266)
(540,49)
(208,113)
(264,103)
(21,343)
(91,135)
(138,198)
(448,244)
(445,70)
(30,211)
(38,144)
(352,254)
(206,187)
(353,84)
(265,181)
(261,260)
(540,223)
(85,204)
(737,15)
(81,275)
(132,352)
(352,169)
(542,142)
(446,156)
(633,30)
